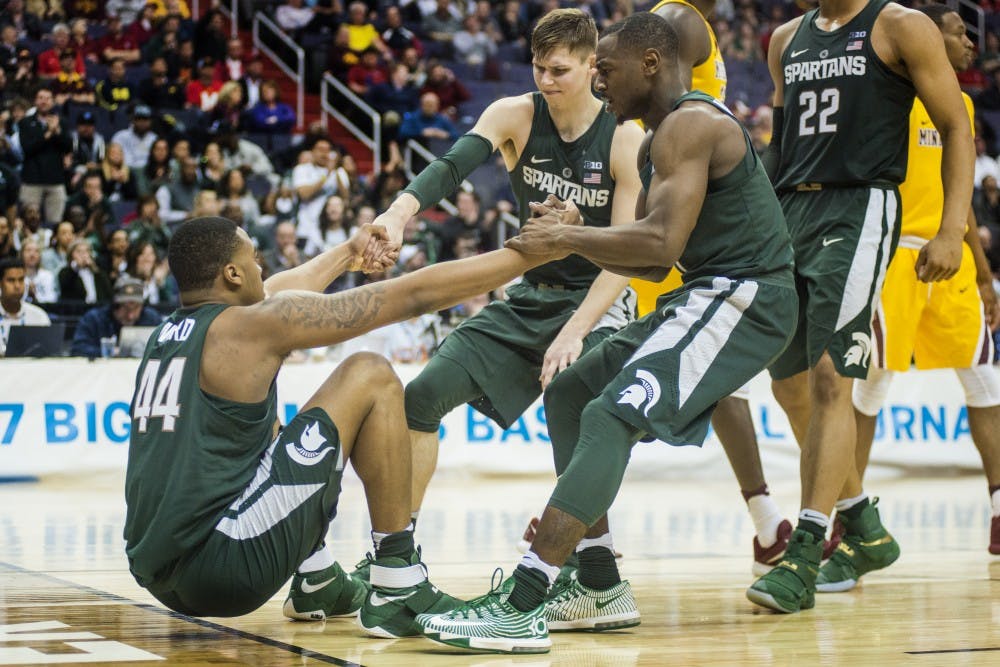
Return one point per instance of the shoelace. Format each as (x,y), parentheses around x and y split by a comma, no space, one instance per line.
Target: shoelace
(489,600)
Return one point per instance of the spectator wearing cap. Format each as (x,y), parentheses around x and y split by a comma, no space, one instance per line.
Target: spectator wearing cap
(25,79)
(366,74)
(203,93)
(88,146)
(81,280)
(117,44)
(48,61)
(28,25)
(126,310)
(115,92)
(270,115)
(159,91)
(137,139)
(44,142)
(68,84)
(14,310)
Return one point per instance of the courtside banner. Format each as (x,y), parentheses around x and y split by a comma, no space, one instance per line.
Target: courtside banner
(72,415)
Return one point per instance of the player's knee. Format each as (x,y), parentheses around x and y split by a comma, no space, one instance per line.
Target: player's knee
(981,385)
(827,386)
(792,393)
(869,395)
(372,371)
(423,403)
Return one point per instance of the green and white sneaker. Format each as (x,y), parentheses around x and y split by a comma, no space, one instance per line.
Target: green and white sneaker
(866,546)
(576,607)
(791,585)
(320,595)
(490,623)
(362,569)
(399,592)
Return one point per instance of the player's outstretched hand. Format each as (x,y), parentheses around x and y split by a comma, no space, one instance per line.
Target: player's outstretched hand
(939,259)
(377,253)
(371,248)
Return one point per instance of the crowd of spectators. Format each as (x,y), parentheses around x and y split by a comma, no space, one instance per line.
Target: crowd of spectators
(121,118)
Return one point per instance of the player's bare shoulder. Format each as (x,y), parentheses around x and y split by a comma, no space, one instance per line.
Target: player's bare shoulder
(899,30)
(782,36)
(506,123)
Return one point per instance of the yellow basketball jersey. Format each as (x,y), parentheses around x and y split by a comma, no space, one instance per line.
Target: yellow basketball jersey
(708,77)
(922,192)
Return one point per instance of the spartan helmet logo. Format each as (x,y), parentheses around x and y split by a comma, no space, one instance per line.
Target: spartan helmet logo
(307,450)
(646,389)
(860,351)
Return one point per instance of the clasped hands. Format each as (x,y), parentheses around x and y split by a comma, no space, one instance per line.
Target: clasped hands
(541,235)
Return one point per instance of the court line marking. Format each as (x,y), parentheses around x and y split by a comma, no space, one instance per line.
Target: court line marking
(953,650)
(241,634)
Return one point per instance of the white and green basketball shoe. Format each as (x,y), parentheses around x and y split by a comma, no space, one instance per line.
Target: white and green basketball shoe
(576,607)
(490,623)
(319,595)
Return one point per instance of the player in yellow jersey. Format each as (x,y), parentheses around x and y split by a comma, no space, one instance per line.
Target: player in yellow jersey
(699,50)
(945,324)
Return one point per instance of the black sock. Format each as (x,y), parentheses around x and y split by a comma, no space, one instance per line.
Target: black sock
(854,513)
(598,569)
(530,587)
(396,545)
(813,528)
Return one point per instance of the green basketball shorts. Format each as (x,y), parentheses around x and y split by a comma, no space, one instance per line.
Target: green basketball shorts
(266,533)
(843,239)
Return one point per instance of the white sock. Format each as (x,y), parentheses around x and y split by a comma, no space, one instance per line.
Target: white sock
(815,516)
(414,515)
(766,518)
(602,541)
(532,560)
(996,502)
(320,559)
(377,538)
(848,503)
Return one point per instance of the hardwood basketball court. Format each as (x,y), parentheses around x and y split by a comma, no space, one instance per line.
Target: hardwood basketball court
(66,595)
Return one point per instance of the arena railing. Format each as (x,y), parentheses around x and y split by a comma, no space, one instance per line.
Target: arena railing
(232,13)
(373,141)
(298,75)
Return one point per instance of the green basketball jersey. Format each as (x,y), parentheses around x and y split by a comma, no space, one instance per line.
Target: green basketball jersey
(741,231)
(579,171)
(190,454)
(846,113)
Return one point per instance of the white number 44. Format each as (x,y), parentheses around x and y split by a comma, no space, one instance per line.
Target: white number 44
(159,399)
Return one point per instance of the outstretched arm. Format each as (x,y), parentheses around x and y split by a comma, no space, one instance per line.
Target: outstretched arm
(681,152)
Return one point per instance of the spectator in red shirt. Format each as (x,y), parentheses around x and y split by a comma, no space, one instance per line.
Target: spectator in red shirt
(79,41)
(203,92)
(144,27)
(442,82)
(367,73)
(48,61)
(232,68)
(117,45)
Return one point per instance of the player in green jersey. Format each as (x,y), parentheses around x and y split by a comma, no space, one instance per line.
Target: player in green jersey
(557,141)
(845,77)
(709,206)
(223,504)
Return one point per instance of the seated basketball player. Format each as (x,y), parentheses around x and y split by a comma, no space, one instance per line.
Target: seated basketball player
(224,505)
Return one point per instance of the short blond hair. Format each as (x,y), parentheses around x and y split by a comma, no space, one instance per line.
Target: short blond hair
(569,28)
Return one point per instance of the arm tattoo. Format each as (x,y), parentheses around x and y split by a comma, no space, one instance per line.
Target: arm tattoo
(344,310)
